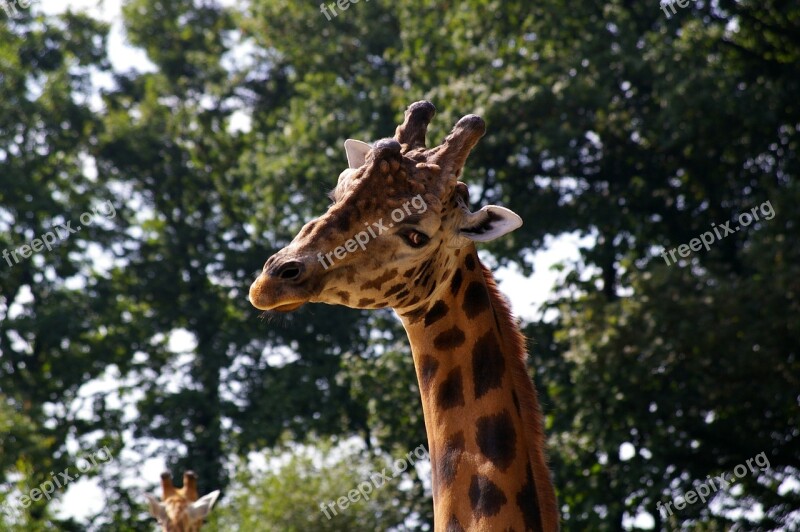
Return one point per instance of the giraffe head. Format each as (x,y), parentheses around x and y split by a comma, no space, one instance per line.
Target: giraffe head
(398,219)
(179,510)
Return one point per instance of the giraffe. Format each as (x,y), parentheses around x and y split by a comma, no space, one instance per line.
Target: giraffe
(482,416)
(179,509)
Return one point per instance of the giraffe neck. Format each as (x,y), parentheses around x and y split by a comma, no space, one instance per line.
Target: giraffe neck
(481,412)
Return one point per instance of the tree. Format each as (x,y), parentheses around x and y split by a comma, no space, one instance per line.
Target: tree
(608,120)
(320,488)
(52,211)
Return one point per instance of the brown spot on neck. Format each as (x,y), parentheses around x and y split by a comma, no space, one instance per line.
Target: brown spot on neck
(476,299)
(449,339)
(485,496)
(451,391)
(488,365)
(428,367)
(497,439)
(448,459)
(438,311)
(469,261)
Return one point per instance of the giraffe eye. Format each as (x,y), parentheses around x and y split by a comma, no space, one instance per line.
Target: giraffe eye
(415,239)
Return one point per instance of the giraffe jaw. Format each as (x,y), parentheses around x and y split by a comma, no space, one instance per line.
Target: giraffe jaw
(279,307)
(287,307)
(259,301)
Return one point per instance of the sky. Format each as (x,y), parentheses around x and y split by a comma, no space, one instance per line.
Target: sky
(83,497)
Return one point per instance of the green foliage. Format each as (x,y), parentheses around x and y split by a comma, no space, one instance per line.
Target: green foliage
(299,491)
(609,120)
(682,371)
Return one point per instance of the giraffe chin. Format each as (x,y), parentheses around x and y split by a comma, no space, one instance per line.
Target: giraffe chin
(288,307)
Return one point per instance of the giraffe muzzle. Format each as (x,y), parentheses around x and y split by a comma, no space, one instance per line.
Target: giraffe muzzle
(280,286)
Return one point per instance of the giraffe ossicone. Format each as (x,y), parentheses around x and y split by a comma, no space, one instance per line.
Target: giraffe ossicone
(180,509)
(482,416)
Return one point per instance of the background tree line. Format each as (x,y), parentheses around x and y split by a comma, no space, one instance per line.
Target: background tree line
(606,120)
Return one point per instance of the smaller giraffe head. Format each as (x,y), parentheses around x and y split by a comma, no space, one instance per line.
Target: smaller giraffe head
(179,510)
(394,230)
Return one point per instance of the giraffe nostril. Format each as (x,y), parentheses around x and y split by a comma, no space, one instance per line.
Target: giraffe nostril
(289,271)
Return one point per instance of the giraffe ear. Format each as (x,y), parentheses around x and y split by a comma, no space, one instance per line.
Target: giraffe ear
(200,508)
(157,509)
(489,223)
(356,151)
